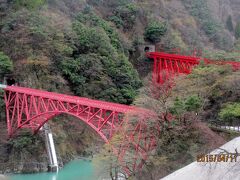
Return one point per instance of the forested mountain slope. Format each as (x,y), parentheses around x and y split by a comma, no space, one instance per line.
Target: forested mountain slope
(93,48)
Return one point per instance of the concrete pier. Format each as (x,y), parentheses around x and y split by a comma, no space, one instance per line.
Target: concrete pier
(53,162)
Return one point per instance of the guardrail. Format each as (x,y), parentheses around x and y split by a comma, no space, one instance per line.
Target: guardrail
(235,128)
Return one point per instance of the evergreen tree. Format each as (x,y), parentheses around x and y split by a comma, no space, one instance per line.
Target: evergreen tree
(237,30)
(229,23)
(6,65)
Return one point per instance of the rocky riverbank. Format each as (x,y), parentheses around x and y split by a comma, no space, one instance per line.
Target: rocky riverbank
(34,167)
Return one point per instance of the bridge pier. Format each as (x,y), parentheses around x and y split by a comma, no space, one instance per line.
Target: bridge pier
(52,156)
(30,108)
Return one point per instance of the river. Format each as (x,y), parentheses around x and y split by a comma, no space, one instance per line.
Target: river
(75,170)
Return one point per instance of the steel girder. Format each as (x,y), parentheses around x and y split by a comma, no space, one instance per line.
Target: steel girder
(31,108)
(235,65)
(166,66)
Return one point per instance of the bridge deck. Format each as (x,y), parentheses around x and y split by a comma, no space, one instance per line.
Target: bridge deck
(72,99)
(172,56)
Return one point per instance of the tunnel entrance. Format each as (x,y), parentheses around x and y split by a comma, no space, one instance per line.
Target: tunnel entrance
(9,80)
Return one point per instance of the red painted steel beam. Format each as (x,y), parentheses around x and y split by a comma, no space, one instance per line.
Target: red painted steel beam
(163,71)
(163,68)
(31,108)
(235,65)
(71,99)
(172,56)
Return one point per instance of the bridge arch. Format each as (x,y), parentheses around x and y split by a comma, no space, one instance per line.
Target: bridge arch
(47,116)
(31,108)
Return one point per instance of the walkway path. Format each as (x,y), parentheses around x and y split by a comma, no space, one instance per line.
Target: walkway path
(212,170)
(2,177)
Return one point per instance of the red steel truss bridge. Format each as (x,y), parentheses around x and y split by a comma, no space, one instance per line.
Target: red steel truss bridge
(166,66)
(31,109)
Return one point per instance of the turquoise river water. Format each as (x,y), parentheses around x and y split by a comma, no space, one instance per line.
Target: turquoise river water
(75,170)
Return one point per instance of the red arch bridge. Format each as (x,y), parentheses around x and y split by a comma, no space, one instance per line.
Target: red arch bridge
(31,108)
(166,66)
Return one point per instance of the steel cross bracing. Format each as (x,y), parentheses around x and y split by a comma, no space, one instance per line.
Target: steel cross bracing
(31,108)
(166,66)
